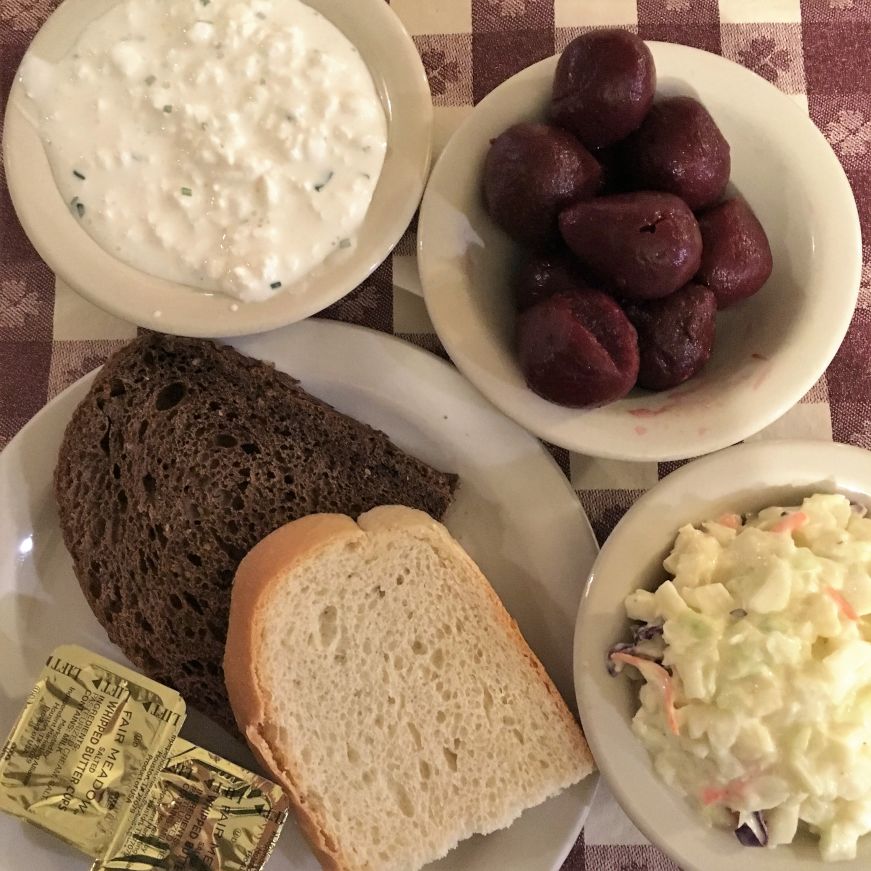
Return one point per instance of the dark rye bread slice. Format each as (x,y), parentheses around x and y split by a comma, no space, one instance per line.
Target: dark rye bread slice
(183,455)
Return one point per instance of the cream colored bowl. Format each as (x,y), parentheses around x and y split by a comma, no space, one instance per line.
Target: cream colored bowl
(769,350)
(742,479)
(174,308)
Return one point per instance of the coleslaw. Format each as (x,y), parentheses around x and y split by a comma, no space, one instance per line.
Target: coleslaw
(756,659)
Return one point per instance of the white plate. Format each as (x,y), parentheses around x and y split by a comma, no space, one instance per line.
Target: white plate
(515,513)
(135,296)
(770,350)
(743,479)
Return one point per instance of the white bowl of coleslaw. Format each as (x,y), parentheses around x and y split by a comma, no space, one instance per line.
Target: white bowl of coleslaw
(746,578)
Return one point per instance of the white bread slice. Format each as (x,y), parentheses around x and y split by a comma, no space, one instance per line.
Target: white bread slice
(377,676)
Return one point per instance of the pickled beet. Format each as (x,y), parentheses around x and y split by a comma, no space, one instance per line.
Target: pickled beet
(532,171)
(675,335)
(736,257)
(603,86)
(578,349)
(679,149)
(642,245)
(543,275)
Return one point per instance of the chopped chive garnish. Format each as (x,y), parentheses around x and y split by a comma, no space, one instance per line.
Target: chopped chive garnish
(205,2)
(79,207)
(322,184)
(275,285)
(77,174)
(150,80)
(344,243)
(187,192)
(167,108)
(260,15)
(365,175)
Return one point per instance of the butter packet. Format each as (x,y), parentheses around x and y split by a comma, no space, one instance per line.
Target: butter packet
(202,812)
(85,750)
(96,759)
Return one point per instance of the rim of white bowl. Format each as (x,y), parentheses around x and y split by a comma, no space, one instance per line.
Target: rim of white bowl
(529,408)
(155,303)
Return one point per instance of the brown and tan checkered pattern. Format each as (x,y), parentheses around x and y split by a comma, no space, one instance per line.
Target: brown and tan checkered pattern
(814,50)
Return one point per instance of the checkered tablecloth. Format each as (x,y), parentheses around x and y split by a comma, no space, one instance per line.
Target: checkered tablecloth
(817,51)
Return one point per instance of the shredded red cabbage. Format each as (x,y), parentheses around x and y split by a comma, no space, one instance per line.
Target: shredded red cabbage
(754,832)
(647,632)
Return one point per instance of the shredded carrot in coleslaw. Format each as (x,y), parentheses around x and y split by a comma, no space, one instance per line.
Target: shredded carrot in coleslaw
(791,522)
(655,674)
(846,608)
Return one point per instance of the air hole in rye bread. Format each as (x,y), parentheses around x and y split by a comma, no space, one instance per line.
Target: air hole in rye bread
(194,559)
(192,667)
(117,387)
(250,448)
(161,535)
(193,603)
(149,484)
(143,428)
(175,601)
(104,442)
(170,396)
(226,440)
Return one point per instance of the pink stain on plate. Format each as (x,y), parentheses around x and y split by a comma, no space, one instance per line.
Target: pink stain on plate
(651,412)
(641,430)
(703,430)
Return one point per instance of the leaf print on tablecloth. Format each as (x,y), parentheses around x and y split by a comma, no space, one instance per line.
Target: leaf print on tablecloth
(25,15)
(77,368)
(17,303)
(508,8)
(859,433)
(440,71)
(841,4)
(865,280)
(359,306)
(850,133)
(764,57)
(677,5)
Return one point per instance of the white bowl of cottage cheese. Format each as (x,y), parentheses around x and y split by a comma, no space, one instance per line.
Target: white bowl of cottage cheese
(723,659)
(217,167)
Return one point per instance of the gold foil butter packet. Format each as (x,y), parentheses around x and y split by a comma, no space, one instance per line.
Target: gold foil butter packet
(202,812)
(85,750)
(95,758)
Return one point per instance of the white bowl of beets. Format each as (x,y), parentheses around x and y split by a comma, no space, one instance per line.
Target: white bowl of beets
(640,251)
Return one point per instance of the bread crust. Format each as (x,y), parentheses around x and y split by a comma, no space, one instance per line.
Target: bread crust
(264,567)
(268,563)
